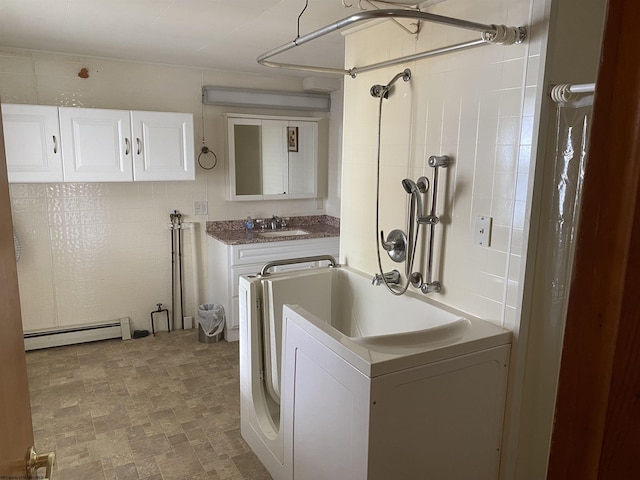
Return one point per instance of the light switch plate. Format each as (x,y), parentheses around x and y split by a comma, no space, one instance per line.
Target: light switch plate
(482,231)
(200,208)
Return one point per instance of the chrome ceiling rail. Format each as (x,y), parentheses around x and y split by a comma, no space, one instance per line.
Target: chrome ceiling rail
(416,56)
(499,34)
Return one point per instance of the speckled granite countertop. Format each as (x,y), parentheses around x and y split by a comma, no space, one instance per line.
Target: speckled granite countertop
(232,232)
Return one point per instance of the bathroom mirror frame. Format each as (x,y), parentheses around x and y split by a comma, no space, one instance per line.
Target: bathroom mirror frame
(263,165)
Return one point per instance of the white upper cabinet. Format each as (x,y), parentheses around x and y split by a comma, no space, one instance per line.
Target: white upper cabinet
(32,143)
(96,145)
(162,146)
(56,144)
(272,158)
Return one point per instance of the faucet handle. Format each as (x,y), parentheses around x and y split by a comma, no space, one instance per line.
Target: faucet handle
(395,245)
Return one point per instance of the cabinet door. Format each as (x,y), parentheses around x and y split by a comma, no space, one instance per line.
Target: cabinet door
(96,144)
(162,146)
(32,143)
(303,160)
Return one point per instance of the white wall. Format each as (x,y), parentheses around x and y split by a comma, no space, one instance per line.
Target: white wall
(476,106)
(96,252)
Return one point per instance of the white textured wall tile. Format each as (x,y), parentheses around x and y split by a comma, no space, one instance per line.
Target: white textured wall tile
(533,68)
(506,158)
(494,287)
(502,211)
(504,185)
(508,131)
(529,101)
(500,237)
(496,263)
(514,268)
(493,311)
(517,237)
(510,102)
(526,133)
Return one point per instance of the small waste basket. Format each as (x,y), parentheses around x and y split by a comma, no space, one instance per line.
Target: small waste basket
(211,321)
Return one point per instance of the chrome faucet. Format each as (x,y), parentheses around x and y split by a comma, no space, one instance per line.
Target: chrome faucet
(392,277)
(275,221)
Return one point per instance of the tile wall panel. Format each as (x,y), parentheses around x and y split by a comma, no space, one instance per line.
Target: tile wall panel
(475,106)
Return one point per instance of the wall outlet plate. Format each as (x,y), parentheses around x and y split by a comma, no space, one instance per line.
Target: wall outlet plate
(482,231)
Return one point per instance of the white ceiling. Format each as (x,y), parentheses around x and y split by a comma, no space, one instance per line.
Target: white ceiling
(218,34)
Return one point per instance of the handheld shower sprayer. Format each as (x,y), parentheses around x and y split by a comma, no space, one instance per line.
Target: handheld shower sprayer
(416,199)
(382,91)
(414,214)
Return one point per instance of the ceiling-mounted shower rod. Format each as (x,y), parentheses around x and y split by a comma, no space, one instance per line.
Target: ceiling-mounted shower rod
(497,34)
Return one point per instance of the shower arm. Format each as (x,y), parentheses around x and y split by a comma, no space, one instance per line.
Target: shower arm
(496,34)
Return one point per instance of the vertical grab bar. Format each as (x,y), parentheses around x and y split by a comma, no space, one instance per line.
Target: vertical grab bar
(435,162)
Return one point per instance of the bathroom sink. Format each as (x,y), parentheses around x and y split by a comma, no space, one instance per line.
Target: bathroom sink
(283,233)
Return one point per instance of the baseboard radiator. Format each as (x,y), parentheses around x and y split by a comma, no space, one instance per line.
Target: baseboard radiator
(81,334)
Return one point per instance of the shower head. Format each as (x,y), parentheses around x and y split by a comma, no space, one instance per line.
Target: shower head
(383,90)
(378,91)
(409,186)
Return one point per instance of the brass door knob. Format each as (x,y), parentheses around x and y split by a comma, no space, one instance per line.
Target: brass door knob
(35,462)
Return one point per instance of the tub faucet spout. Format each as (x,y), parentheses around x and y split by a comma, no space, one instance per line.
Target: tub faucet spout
(392,277)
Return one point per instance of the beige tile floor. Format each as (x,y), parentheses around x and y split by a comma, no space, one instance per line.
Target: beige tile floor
(157,408)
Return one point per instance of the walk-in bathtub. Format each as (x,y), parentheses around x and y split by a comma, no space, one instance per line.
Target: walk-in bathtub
(340,379)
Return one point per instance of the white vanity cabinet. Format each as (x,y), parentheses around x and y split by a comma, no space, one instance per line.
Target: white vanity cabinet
(228,262)
(32,143)
(102,145)
(272,158)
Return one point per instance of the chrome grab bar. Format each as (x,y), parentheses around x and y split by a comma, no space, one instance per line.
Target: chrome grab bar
(293,261)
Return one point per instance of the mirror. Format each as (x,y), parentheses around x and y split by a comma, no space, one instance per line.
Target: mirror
(272,158)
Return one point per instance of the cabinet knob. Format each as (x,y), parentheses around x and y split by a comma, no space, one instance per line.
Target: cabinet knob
(127,146)
(55,144)
(139,144)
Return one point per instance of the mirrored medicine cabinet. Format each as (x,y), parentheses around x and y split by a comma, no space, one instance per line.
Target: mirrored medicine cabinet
(272,158)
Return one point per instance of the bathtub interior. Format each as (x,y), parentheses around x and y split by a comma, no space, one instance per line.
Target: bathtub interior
(309,289)
(361,310)
(345,300)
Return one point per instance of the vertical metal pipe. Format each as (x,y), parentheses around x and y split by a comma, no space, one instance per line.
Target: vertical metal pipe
(180,269)
(173,270)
